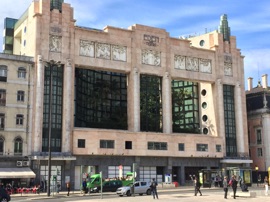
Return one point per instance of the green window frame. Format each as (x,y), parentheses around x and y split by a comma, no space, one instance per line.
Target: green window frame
(181,146)
(229,118)
(107,144)
(150,103)
(185,107)
(157,146)
(202,147)
(101,99)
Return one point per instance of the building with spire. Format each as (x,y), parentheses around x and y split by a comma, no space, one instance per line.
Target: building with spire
(113,96)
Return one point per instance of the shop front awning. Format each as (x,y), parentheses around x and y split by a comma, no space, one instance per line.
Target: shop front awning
(236,161)
(23,172)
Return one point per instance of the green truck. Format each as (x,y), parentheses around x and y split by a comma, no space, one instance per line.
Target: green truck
(95,180)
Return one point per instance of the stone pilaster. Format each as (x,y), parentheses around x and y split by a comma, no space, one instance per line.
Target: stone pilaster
(239,119)
(67,107)
(134,88)
(167,104)
(220,110)
(38,104)
(266,138)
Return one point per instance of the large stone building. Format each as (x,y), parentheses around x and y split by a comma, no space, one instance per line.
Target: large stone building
(16,95)
(258,114)
(136,95)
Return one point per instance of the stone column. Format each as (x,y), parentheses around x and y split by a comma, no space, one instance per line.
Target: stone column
(29,122)
(67,107)
(182,175)
(134,100)
(266,138)
(168,169)
(239,119)
(220,109)
(138,162)
(38,106)
(167,104)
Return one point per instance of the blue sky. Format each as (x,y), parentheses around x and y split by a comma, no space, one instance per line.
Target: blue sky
(249,21)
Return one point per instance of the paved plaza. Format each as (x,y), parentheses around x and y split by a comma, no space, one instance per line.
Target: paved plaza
(183,194)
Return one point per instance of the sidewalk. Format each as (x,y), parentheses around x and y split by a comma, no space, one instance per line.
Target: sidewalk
(183,193)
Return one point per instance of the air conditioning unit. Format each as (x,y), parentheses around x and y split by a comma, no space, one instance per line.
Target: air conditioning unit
(19,164)
(25,163)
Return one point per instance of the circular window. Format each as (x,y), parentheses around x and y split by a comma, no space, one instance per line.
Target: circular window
(203,92)
(204,118)
(204,105)
(202,43)
(205,131)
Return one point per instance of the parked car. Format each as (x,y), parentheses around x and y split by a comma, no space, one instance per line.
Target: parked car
(108,186)
(4,196)
(140,187)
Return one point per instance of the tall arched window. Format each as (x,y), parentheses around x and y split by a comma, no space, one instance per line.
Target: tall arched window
(2,141)
(18,146)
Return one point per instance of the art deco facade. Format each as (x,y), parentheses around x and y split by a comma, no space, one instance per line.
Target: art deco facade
(136,95)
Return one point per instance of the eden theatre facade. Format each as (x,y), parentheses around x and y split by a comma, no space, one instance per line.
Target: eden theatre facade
(173,106)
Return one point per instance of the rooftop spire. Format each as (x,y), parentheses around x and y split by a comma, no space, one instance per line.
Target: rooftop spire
(224,28)
(57,4)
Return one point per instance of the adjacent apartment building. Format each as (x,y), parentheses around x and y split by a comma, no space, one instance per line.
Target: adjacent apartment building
(173,106)
(258,104)
(16,95)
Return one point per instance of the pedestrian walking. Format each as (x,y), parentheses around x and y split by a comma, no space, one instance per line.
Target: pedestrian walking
(58,187)
(234,186)
(240,181)
(259,180)
(84,186)
(154,188)
(266,183)
(197,186)
(225,186)
(68,188)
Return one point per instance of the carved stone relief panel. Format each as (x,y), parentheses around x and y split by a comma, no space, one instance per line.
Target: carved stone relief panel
(205,65)
(192,64)
(228,69)
(119,53)
(179,62)
(87,48)
(55,29)
(228,65)
(151,40)
(150,57)
(227,58)
(103,51)
(55,43)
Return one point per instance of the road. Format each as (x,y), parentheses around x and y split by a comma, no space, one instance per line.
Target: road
(183,194)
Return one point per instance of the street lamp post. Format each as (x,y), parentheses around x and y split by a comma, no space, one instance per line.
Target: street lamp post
(50,132)
(257,169)
(50,64)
